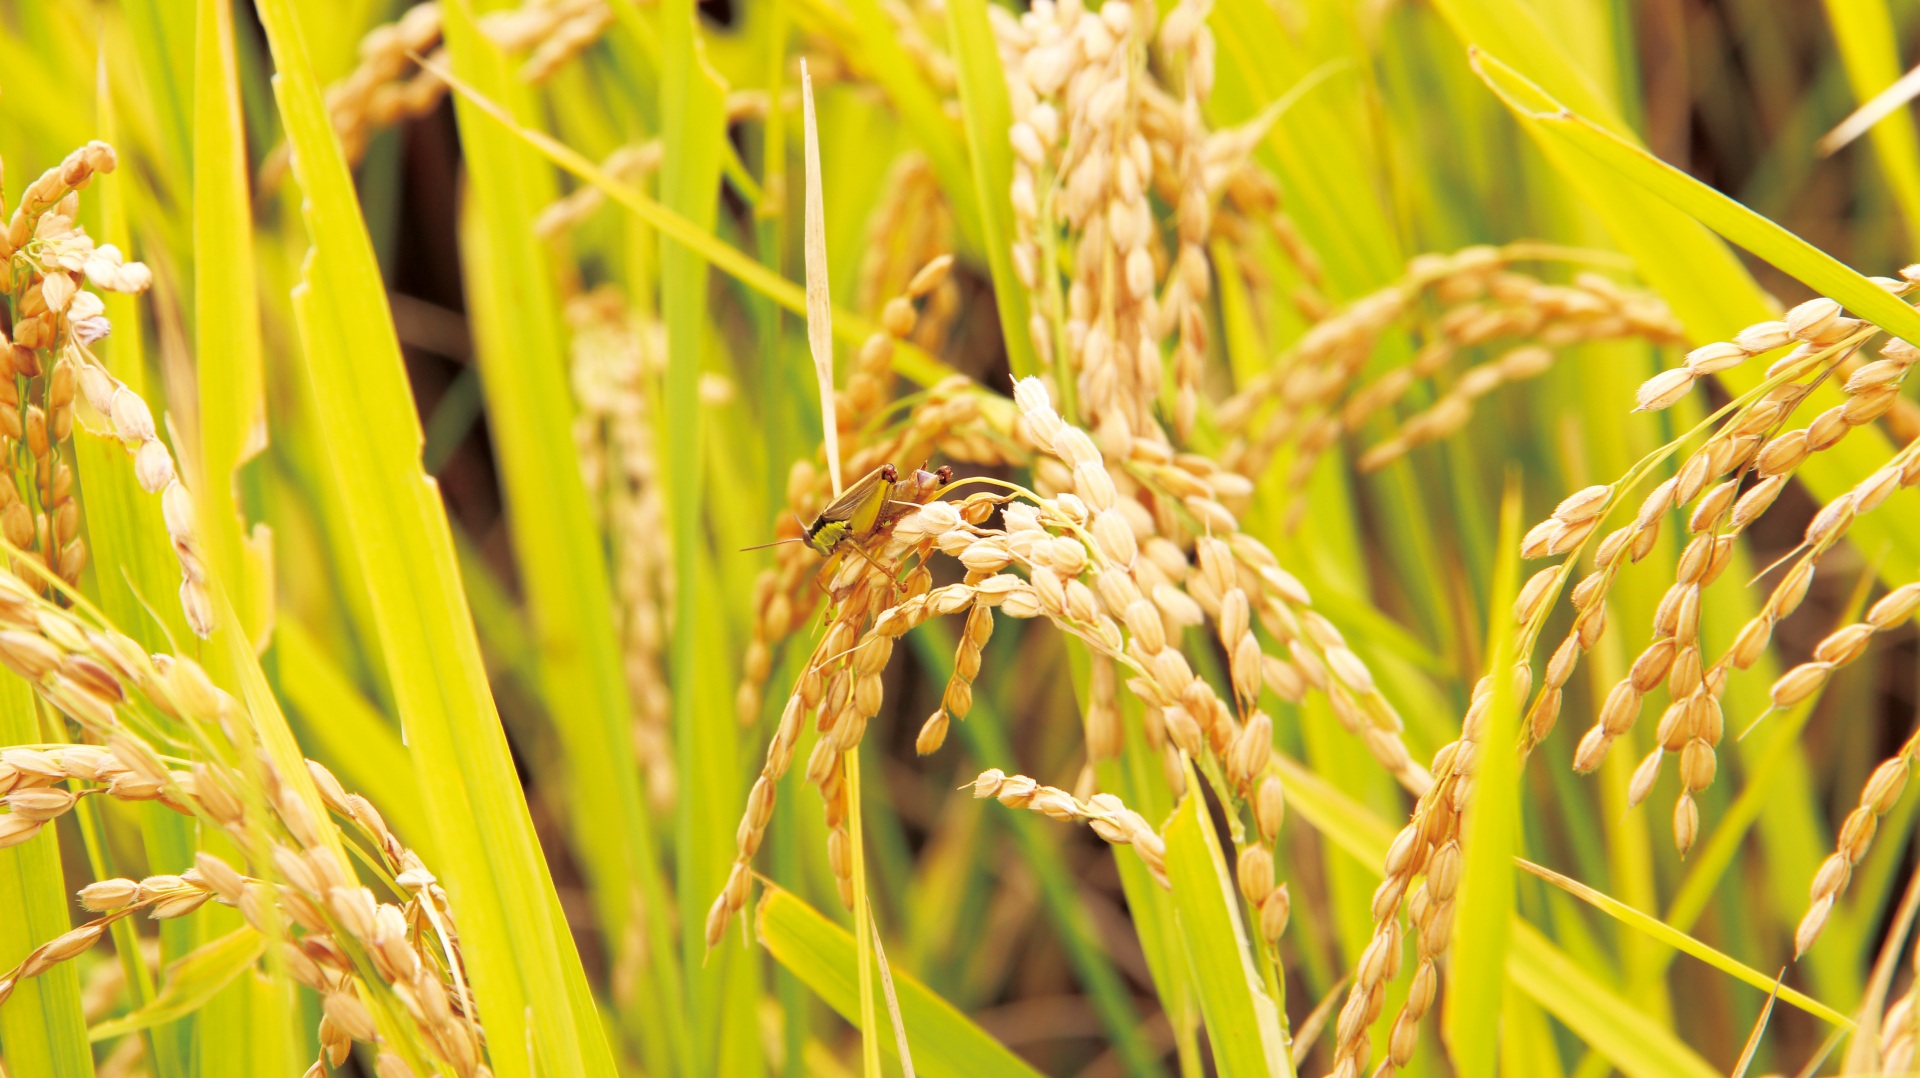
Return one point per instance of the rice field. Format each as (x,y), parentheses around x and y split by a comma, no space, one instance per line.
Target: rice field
(954,538)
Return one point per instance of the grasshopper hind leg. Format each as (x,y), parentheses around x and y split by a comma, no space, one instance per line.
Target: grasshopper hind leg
(898,584)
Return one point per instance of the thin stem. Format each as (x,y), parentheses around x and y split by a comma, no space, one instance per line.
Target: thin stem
(862,921)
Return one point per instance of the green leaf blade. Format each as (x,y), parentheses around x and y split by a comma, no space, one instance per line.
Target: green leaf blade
(41,1026)
(1863,31)
(988,115)
(1243,1023)
(525,970)
(519,343)
(191,982)
(944,1043)
(232,405)
(1489,836)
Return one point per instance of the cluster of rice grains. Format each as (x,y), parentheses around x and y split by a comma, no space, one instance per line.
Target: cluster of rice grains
(1088,559)
(1725,484)
(1123,542)
(51,379)
(1751,450)
(1095,134)
(946,421)
(1472,299)
(381,968)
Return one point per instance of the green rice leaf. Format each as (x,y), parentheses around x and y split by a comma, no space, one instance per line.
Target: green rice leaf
(164,41)
(256,1016)
(921,114)
(196,978)
(226,322)
(1326,174)
(722,985)
(863,932)
(126,534)
(1484,911)
(346,732)
(1863,30)
(1813,267)
(1243,1023)
(1658,217)
(41,1027)
(527,977)
(945,1043)
(909,360)
(523,368)
(1527,1039)
(1648,924)
(1611,1023)
(1710,290)
(984,734)
(988,116)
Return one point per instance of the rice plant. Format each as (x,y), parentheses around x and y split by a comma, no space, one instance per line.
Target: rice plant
(537,530)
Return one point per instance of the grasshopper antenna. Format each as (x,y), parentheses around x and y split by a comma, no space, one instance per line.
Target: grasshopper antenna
(801,538)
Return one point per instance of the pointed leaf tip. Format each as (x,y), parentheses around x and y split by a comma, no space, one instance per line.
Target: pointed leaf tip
(819,298)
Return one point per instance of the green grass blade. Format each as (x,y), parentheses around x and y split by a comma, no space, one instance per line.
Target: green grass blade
(1709,290)
(863,927)
(526,974)
(256,1021)
(984,106)
(196,978)
(262,1033)
(677,225)
(344,731)
(1680,941)
(723,992)
(1658,218)
(921,113)
(1138,779)
(1603,1018)
(1243,1023)
(232,407)
(1327,175)
(1864,33)
(1492,831)
(519,343)
(1789,253)
(163,38)
(1526,1039)
(126,535)
(821,953)
(40,1027)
